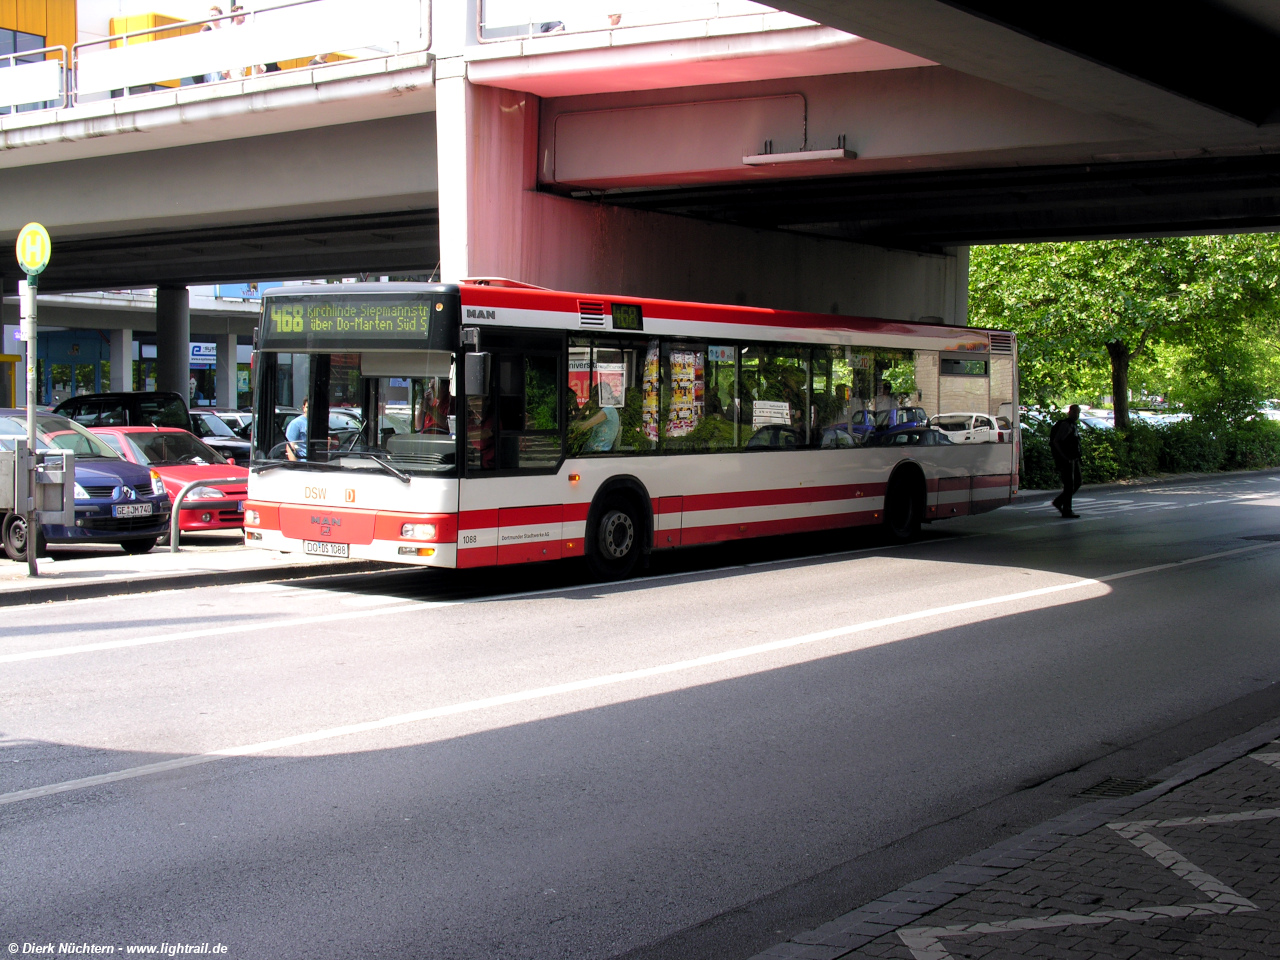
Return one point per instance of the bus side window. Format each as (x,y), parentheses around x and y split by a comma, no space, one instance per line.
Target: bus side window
(774,387)
(518,426)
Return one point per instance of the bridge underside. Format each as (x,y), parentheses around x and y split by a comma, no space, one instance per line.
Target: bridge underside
(940,208)
(405,242)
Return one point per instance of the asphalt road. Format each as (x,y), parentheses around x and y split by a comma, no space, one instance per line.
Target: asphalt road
(519,763)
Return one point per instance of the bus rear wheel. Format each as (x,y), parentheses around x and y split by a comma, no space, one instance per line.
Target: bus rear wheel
(903,509)
(614,549)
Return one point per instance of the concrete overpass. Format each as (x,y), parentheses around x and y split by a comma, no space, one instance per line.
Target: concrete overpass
(828,156)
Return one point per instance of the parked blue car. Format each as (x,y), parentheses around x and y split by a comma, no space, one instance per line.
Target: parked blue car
(116,501)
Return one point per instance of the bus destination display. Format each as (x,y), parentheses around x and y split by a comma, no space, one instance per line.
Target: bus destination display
(360,323)
(626,316)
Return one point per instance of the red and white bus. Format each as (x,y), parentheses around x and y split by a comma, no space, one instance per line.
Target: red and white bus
(491,422)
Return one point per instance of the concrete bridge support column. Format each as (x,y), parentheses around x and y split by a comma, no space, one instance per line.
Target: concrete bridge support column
(225,374)
(121,360)
(9,315)
(173,340)
(494,222)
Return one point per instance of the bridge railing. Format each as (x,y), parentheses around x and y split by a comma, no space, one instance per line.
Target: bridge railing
(524,19)
(238,45)
(29,80)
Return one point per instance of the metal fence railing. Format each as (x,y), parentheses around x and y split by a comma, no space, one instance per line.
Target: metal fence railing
(29,80)
(233,46)
(524,19)
(237,45)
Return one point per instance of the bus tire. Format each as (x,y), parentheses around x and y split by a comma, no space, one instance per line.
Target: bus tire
(615,533)
(904,506)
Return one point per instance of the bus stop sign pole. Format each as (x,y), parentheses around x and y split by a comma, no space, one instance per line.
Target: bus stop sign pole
(33,249)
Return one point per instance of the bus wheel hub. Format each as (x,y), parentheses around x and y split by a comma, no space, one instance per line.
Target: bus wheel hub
(617,533)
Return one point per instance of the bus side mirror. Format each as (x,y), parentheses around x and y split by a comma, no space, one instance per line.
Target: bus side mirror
(475,379)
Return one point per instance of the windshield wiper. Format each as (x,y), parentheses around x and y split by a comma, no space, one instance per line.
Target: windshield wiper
(398,474)
(288,464)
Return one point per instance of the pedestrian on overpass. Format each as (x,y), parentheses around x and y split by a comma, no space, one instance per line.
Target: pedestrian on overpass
(1064,441)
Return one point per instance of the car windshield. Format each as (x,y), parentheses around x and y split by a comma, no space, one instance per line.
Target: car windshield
(56,433)
(156,449)
(212,425)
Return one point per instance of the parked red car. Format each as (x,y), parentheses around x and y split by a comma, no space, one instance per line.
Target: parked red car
(180,457)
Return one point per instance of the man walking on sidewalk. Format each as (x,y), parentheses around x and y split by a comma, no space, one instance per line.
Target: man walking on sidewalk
(1064,441)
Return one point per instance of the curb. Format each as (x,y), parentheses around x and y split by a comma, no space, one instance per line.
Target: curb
(912,901)
(1141,483)
(54,592)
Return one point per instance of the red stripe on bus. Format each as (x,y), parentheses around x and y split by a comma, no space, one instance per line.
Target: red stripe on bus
(558,301)
(993,481)
(952,483)
(268,515)
(529,552)
(768,498)
(326,523)
(576,511)
(477,557)
(769,528)
(387,525)
(530,516)
(477,519)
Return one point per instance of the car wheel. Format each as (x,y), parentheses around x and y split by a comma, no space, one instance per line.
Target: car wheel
(14,536)
(903,509)
(135,547)
(615,548)
(162,540)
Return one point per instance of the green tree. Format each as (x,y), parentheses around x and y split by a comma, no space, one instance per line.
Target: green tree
(1082,309)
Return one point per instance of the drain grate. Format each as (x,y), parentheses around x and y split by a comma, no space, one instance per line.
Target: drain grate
(1114,787)
(1273,537)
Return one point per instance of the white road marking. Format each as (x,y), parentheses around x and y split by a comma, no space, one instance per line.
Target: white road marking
(406,604)
(925,943)
(589,683)
(219,631)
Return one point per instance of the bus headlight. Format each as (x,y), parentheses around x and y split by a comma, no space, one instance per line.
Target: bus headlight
(418,531)
(251,518)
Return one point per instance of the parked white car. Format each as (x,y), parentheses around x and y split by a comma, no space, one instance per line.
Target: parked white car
(968,427)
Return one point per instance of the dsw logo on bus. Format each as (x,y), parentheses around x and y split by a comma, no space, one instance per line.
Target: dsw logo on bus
(287,319)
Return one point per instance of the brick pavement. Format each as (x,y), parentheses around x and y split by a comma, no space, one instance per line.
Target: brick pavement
(1187,868)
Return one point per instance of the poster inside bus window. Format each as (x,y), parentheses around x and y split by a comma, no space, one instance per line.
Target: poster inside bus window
(649,404)
(626,316)
(605,383)
(688,392)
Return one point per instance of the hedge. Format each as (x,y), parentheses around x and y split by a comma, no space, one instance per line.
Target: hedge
(1189,446)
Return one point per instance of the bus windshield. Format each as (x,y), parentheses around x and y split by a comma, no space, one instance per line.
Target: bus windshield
(389,412)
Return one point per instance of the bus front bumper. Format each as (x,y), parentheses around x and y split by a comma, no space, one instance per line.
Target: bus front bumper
(389,551)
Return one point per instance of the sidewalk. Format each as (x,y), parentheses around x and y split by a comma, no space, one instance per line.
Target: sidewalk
(1187,866)
(1141,483)
(112,572)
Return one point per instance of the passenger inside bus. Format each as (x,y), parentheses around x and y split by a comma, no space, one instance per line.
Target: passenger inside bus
(434,407)
(602,426)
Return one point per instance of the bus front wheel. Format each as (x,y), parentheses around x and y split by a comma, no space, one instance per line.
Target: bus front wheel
(615,547)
